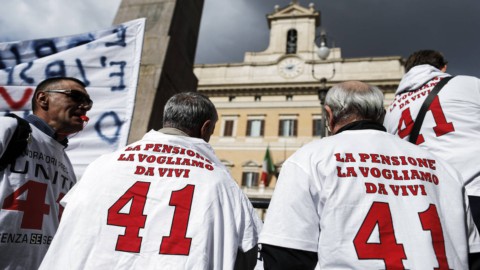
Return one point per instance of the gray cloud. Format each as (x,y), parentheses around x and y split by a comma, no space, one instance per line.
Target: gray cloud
(361,28)
(230,28)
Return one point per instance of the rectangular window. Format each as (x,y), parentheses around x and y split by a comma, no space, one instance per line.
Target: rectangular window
(317,127)
(250,179)
(287,128)
(255,128)
(228,128)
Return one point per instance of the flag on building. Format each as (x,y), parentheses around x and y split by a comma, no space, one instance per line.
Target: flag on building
(267,169)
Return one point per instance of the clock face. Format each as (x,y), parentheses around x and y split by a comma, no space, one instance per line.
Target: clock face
(290,67)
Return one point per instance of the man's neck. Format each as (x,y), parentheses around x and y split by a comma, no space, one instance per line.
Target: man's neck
(173,131)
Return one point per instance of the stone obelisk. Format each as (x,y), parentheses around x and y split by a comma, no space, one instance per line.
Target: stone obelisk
(170,41)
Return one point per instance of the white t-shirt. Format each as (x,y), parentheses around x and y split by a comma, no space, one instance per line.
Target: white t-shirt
(164,202)
(29,197)
(451,128)
(362,196)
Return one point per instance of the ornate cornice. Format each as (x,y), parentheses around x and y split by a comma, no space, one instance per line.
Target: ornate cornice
(280,89)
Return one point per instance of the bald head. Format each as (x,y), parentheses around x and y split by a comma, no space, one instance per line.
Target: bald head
(356,86)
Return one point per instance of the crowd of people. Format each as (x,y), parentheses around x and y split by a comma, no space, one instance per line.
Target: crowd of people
(394,188)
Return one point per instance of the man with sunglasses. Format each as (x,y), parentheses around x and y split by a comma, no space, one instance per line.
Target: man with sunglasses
(32,185)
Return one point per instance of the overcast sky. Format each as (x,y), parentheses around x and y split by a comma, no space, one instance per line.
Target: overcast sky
(362,28)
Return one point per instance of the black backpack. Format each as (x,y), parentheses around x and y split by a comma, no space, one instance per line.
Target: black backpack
(18,143)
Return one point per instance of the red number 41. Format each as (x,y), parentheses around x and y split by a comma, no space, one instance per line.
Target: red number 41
(175,244)
(388,250)
(30,199)
(442,127)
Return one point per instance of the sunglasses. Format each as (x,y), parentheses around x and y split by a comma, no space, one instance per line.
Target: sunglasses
(75,95)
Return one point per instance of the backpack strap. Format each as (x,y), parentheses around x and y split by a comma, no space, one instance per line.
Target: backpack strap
(423,110)
(18,143)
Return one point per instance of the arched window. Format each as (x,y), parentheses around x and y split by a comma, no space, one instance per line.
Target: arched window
(292,41)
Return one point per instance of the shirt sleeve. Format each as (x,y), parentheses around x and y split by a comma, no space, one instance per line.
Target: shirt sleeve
(473,235)
(280,258)
(292,219)
(250,224)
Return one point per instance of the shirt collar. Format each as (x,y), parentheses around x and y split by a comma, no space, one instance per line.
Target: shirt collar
(362,124)
(173,131)
(44,127)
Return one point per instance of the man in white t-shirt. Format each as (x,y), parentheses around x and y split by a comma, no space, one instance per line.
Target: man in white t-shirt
(451,128)
(365,199)
(33,182)
(164,202)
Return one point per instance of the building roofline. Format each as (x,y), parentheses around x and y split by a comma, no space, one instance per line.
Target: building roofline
(269,63)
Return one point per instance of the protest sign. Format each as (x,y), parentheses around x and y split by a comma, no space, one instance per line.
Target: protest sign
(107,61)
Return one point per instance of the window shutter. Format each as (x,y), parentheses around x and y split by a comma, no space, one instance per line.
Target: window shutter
(255,179)
(294,127)
(228,130)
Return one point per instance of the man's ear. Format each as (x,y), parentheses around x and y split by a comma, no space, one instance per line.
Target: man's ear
(382,118)
(42,100)
(207,130)
(329,118)
(444,69)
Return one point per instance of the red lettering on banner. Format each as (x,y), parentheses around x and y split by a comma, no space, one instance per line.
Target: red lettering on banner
(15,105)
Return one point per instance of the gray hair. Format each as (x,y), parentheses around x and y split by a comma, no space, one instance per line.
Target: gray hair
(355,99)
(188,111)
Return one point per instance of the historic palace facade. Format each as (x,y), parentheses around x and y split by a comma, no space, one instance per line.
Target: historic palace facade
(271,99)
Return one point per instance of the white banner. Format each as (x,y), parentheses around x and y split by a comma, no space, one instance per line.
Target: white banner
(107,61)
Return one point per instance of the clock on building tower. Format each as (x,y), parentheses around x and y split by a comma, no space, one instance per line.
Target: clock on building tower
(290,67)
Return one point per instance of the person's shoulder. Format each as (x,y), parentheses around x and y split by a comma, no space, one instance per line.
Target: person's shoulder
(8,125)
(469,77)
(465,79)
(7,122)
(447,171)
(218,175)
(464,87)
(402,143)
(418,151)
(309,148)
